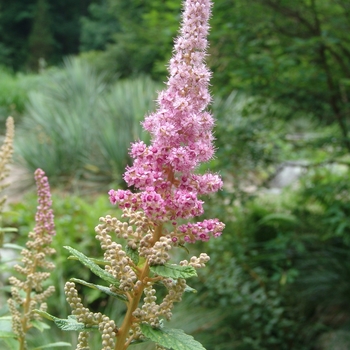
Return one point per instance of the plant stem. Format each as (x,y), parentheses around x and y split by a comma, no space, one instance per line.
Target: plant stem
(25,312)
(123,331)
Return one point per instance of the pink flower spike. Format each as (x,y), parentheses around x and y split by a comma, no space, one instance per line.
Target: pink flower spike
(163,173)
(44,215)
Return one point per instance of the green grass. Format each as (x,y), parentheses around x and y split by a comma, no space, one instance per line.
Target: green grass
(75,127)
(14,90)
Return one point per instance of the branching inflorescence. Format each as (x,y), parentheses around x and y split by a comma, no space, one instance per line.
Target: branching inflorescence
(166,196)
(28,292)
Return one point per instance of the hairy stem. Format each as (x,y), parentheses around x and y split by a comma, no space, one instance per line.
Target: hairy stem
(124,329)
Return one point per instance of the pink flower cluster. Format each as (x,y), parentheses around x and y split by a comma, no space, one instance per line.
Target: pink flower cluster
(201,230)
(44,215)
(181,131)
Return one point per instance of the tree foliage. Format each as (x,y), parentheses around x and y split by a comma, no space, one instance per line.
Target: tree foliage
(296,52)
(20,20)
(40,40)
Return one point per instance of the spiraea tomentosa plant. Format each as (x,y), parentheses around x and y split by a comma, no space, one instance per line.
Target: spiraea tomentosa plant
(156,216)
(28,292)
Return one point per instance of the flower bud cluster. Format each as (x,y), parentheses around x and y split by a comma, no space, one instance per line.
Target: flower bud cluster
(16,316)
(83,341)
(107,328)
(176,289)
(135,332)
(83,314)
(149,311)
(196,262)
(201,231)
(105,325)
(119,264)
(131,231)
(158,254)
(44,214)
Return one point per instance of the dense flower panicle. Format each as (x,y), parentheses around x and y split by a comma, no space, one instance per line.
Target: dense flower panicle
(181,135)
(44,215)
(201,230)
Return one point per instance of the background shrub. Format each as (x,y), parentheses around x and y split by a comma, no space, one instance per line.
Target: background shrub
(78,128)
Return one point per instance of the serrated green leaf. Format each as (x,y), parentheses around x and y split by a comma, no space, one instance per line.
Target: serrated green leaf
(133,254)
(69,324)
(45,315)
(4,334)
(100,288)
(59,344)
(175,339)
(93,267)
(174,271)
(96,261)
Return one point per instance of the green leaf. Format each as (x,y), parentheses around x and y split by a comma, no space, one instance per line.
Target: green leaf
(174,271)
(93,267)
(4,334)
(41,326)
(100,288)
(12,246)
(45,315)
(278,217)
(59,344)
(11,343)
(133,254)
(189,289)
(175,339)
(8,229)
(69,324)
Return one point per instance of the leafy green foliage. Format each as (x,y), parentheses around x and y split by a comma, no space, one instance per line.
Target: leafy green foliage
(273,246)
(69,324)
(98,28)
(174,339)
(279,48)
(174,271)
(98,271)
(40,40)
(103,289)
(138,42)
(14,93)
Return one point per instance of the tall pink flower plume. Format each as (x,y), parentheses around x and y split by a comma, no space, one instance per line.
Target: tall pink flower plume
(44,215)
(181,136)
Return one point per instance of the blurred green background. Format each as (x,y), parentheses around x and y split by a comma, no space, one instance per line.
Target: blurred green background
(78,77)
